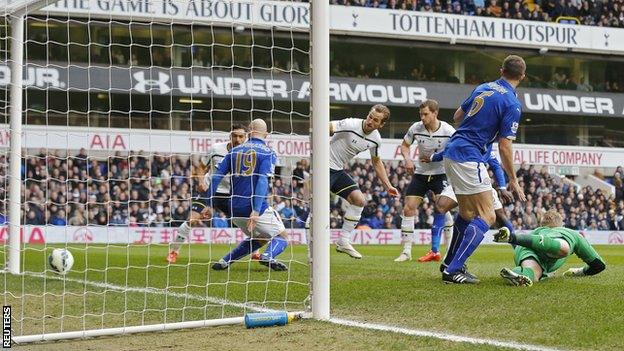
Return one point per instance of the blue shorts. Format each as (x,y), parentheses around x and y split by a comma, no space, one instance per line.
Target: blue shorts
(341,184)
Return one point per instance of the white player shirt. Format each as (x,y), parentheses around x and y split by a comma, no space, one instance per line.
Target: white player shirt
(349,140)
(429,143)
(214,156)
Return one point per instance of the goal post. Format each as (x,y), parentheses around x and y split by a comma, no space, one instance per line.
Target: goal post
(14,12)
(118,114)
(16,21)
(319,45)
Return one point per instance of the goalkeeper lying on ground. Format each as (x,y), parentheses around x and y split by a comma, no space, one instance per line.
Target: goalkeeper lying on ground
(540,253)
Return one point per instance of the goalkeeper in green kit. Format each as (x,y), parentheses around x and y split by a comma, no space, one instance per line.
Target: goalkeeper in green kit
(540,253)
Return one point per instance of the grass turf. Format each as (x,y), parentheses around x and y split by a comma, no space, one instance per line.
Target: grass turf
(570,313)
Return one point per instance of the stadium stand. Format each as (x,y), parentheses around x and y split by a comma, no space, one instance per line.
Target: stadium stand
(80,190)
(607,13)
(582,208)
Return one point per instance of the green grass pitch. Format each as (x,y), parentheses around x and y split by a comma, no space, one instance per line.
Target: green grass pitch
(568,313)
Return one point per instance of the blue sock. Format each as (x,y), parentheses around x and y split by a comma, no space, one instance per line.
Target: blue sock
(436,231)
(473,235)
(243,249)
(459,227)
(507,223)
(276,247)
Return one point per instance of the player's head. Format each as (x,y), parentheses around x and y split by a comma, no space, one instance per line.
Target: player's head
(513,68)
(429,111)
(377,117)
(238,134)
(552,219)
(258,129)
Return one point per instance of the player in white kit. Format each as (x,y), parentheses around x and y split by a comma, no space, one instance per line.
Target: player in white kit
(430,136)
(222,199)
(350,137)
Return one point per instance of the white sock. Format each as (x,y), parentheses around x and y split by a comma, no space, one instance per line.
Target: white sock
(448,228)
(407,233)
(183,233)
(350,220)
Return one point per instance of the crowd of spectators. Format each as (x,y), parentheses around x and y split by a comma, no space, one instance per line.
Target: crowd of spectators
(582,208)
(139,190)
(134,190)
(605,13)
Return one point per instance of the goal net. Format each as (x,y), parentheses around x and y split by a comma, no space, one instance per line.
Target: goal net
(122,102)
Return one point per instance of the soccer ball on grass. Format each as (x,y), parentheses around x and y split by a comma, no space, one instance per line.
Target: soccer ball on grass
(61,261)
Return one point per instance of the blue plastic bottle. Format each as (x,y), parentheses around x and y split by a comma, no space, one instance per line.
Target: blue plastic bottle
(268,319)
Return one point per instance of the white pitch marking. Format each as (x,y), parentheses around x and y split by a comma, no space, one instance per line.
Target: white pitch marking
(339,321)
(440,335)
(156,291)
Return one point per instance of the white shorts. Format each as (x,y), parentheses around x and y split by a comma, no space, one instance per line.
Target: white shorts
(467,178)
(448,192)
(269,224)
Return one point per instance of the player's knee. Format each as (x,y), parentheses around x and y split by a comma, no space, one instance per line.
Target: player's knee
(489,218)
(409,210)
(357,199)
(195,218)
(444,204)
(261,240)
(441,207)
(564,249)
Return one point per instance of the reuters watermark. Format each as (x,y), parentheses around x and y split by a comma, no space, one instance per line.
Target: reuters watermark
(6,327)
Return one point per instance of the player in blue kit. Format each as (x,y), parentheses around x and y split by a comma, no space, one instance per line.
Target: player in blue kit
(250,166)
(491,112)
(448,201)
(221,202)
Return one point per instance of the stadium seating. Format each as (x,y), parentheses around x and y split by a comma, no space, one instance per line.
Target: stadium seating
(79,190)
(606,13)
(582,209)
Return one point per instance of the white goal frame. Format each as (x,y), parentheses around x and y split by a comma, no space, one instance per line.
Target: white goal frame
(15,12)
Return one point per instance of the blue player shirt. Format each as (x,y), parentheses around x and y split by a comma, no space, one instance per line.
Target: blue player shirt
(491,111)
(250,165)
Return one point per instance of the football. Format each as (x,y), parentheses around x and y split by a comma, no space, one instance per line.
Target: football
(61,261)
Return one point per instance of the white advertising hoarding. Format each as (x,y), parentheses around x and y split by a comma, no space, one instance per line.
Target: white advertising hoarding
(361,21)
(153,235)
(163,141)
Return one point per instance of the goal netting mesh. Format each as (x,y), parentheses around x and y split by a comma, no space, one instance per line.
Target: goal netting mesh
(122,101)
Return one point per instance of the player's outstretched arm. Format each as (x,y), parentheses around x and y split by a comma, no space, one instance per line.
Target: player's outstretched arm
(215,179)
(458,116)
(260,192)
(405,152)
(594,267)
(217,176)
(204,183)
(595,263)
(436,157)
(506,153)
(499,176)
(380,170)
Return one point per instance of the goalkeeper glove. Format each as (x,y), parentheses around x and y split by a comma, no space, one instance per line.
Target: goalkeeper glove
(574,272)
